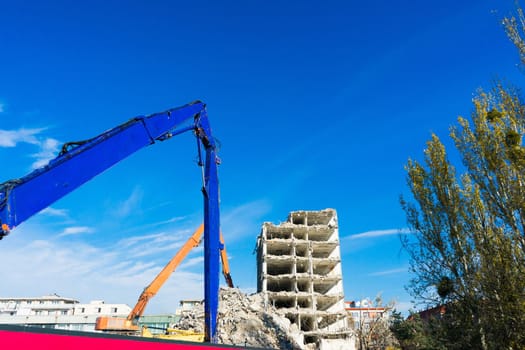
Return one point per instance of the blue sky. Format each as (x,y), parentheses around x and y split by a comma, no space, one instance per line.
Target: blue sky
(316,105)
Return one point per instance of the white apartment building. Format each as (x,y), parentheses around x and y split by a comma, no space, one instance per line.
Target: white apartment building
(54,311)
(189,305)
(299,273)
(362,314)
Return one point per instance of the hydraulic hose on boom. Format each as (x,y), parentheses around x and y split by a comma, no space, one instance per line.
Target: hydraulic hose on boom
(130,324)
(79,162)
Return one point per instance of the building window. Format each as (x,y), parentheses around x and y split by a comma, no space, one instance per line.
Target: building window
(99,310)
(114,310)
(82,310)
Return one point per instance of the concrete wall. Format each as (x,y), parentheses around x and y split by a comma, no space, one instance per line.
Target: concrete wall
(299,273)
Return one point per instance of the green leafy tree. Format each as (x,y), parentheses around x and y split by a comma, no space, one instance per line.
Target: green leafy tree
(412,333)
(468,247)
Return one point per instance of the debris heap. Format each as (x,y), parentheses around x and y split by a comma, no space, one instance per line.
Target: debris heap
(243,321)
(192,320)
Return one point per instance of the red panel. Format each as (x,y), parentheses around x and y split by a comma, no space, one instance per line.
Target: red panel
(43,341)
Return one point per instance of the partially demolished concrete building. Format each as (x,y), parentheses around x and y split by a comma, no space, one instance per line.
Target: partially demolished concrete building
(299,273)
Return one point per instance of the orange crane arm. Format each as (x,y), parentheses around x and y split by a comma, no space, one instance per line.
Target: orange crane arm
(129,323)
(225,264)
(150,291)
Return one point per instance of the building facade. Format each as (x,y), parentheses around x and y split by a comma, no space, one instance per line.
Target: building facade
(53,311)
(189,305)
(299,273)
(362,315)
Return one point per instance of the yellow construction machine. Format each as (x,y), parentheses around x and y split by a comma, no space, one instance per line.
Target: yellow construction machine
(129,325)
(174,334)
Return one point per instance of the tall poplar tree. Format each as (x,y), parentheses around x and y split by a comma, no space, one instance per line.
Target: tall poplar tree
(467,249)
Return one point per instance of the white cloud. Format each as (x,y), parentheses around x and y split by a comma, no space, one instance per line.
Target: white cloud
(75,230)
(378,233)
(154,249)
(10,138)
(155,243)
(169,221)
(198,260)
(141,228)
(243,220)
(389,272)
(48,150)
(55,212)
(48,147)
(130,204)
(127,242)
(86,272)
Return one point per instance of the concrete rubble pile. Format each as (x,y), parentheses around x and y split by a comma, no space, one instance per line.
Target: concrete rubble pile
(193,320)
(243,321)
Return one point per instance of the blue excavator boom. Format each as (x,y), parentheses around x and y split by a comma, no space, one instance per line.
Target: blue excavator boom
(78,162)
